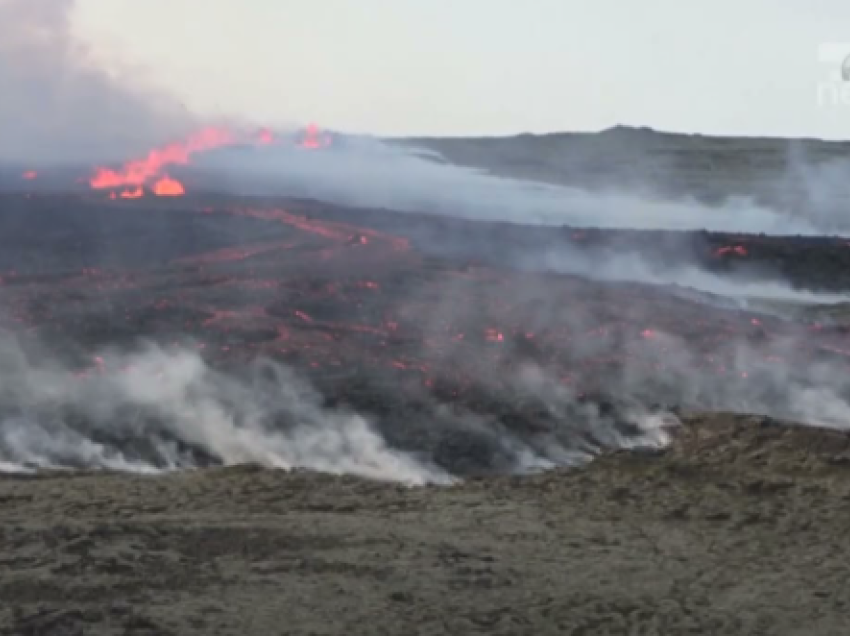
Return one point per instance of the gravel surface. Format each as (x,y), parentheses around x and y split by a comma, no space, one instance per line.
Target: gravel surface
(739,528)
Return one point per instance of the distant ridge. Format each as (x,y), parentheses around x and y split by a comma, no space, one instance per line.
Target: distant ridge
(709,168)
(626,131)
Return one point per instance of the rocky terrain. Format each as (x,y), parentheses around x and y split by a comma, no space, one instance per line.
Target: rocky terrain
(738,528)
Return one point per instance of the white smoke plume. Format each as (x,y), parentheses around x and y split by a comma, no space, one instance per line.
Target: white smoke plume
(59,106)
(772,373)
(784,385)
(367,172)
(817,191)
(741,289)
(155,410)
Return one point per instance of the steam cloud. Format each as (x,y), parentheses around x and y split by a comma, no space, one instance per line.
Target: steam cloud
(156,410)
(58,106)
(371,173)
(736,290)
(783,378)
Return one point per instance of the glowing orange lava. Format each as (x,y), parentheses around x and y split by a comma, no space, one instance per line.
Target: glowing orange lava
(136,193)
(150,171)
(313,138)
(138,173)
(265,137)
(740,250)
(168,187)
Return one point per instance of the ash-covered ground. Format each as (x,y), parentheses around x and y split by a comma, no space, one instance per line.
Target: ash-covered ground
(228,336)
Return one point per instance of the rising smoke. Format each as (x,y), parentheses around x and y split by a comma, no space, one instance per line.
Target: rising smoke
(59,106)
(155,410)
(781,377)
(370,173)
(734,290)
(158,409)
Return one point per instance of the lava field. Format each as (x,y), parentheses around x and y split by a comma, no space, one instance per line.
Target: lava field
(409,321)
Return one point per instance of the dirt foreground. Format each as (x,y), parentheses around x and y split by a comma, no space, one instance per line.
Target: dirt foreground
(740,528)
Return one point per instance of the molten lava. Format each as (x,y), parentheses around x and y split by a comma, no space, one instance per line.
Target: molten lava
(140,172)
(740,250)
(150,171)
(313,138)
(168,187)
(266,137)
(136,193)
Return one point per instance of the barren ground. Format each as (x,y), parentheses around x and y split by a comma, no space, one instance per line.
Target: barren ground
(740,528)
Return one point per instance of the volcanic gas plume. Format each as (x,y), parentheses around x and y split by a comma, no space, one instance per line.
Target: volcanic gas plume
(58,104)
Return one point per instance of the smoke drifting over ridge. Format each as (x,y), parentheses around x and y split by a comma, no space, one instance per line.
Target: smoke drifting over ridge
(58,106)
(737,289)
(368,172)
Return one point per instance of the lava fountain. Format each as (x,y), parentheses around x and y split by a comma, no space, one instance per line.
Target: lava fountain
(149,172)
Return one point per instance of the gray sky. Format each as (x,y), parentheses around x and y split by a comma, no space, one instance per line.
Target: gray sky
(489,66)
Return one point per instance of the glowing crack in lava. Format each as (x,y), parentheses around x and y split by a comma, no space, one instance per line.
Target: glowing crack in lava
(136,193)
(740,250)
